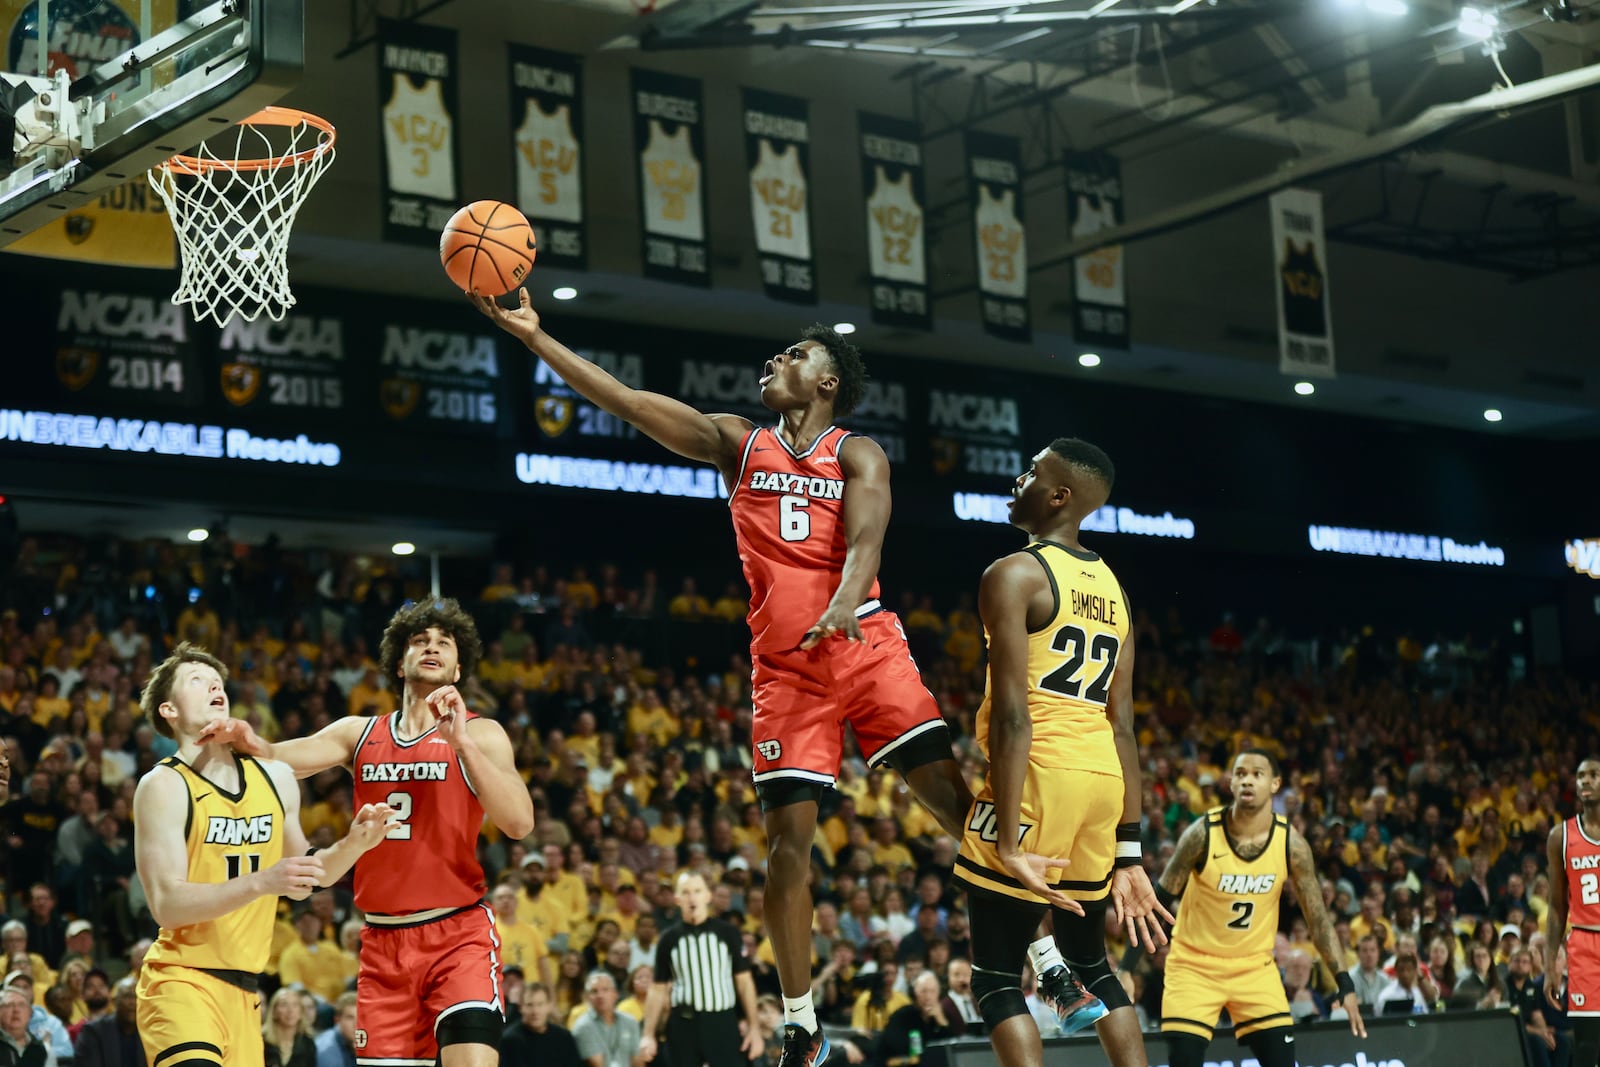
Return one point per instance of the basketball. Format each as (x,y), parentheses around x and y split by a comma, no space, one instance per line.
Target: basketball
(487,247)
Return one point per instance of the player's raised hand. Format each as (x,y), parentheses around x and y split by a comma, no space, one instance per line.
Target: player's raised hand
(449,709)
(522,322)
(238,734)
(835,622)
(370,825)
(295,877)
(1137,908)
(1029,869)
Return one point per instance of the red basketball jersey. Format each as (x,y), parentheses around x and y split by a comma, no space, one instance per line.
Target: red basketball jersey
(430,860)
(788,518)
(1582,860)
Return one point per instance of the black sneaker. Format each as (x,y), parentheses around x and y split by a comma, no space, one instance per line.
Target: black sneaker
(802,1049)
(1076,1008)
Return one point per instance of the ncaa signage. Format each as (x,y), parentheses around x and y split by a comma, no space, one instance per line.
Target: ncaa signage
(1583,556)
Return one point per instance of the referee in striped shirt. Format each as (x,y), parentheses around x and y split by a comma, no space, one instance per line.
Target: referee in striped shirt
(701,973)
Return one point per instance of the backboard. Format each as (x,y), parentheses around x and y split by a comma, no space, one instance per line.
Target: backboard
(113,87)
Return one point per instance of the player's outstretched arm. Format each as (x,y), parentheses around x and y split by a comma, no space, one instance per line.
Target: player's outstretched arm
(332,746)
(160,811)
(690,433)
(1003,595)
(1191,846)
(866,517)
(1134,900)
(486,754)
(1555,918)
(368,828)
(1308,891)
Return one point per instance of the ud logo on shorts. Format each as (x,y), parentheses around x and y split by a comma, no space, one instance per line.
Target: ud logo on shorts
(240,383)
(399,396)
(76,367)
(360,1041)
(554,415)
(770,750)
(1577,998)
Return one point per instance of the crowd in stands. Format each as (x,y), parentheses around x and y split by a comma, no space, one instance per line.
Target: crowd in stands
(1425,776)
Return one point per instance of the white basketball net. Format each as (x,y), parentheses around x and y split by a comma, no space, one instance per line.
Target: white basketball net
(232,205)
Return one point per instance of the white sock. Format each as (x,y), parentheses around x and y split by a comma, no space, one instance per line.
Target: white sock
(1043,955)
(800,1011)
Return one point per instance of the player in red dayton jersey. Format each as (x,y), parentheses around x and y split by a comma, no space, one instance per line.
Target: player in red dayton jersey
(810,503)
(429,987)
(1574,847)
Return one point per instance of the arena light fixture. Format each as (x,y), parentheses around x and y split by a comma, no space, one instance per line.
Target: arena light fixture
(1089,359)
(1477,23)
(1304,388)
(199,534)
(565,292)
(1391,8)
(403,548)
(844,327)
(1492,415)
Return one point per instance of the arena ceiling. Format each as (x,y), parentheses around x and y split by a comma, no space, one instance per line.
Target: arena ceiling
(1460,173)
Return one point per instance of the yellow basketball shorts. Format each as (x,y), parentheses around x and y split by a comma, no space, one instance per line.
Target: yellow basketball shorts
(1065,813)
(188,1018)
(1199,987)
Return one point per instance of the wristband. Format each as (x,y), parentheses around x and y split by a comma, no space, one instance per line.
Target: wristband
(1346,986)
(1129,852)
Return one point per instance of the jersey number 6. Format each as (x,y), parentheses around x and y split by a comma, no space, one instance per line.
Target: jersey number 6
(795,521)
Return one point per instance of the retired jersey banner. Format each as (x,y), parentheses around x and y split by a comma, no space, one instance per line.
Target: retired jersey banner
(1100,294)
(669,135)
(547,105)
(891,169)
(994,164)
(417,84)
(1300,250)
(777,142)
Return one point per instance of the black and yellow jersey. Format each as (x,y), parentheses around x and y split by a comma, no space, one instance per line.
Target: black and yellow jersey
(227,835)
(1230,905)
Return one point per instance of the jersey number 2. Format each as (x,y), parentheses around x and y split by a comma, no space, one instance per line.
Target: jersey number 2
(401,803)
(1244,911)
(1589,888)
(1065,679)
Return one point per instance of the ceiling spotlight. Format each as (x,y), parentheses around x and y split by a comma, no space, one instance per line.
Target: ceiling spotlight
(1304,388)
(565,292)
(844,327)
(1477,23)
(1089,359)
(403,548)
(198,534)
(1392,8)
(1492,415)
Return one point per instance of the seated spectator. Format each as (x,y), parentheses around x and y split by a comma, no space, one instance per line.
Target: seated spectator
(1406,987)
(113,1039)
(336,1045)
(925,1017)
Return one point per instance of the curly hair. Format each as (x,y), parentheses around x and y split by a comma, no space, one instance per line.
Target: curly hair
(847,364)
(158,688)
(418,617)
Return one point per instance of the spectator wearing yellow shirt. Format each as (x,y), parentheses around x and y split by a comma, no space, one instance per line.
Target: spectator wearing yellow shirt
(316,964)
(924,617)
(371,696)
(650,718)
(541,908)
(568,887)
(836,828)
(495,671)
(731,606)
(585,739)
(964,642)
(49,704)
(668,833)
(581,592)
(888,851)
(502,585)
(199,625)
(528,673)
(874,1005)
(520,943)
(688,604)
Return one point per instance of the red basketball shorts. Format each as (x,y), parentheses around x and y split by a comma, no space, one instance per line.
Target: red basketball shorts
(804,698)
(1583,973)
(413,976)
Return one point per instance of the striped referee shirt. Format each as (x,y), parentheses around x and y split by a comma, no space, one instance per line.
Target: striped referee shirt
(700,962)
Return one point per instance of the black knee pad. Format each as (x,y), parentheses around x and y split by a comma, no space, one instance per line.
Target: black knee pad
(1274,1047)
(999,996)
(471,1026)
(1185,1050)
